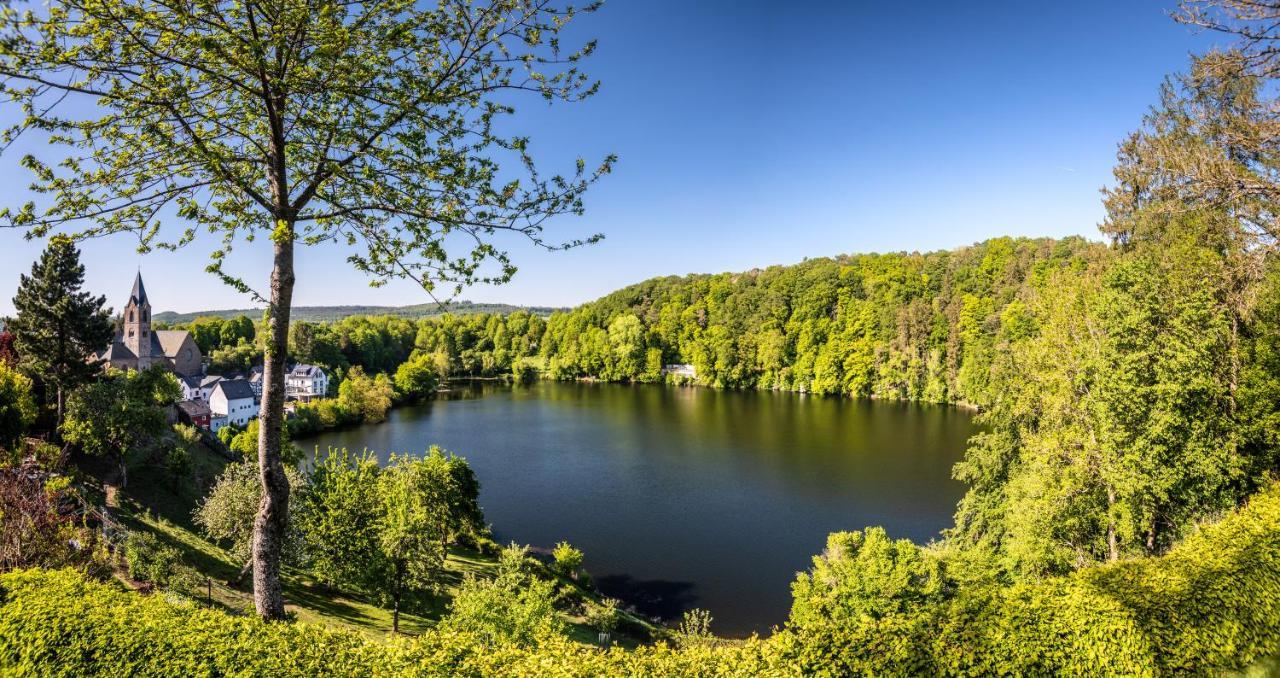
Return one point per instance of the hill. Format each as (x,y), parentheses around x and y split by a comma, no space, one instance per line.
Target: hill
(332,313)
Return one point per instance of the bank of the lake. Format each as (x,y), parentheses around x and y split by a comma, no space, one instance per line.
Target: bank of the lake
(688,497)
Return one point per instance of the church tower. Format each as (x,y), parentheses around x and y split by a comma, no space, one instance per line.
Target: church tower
(137,324)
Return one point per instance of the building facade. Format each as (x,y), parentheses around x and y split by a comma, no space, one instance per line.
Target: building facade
(306,383)
(137,347)
(232,403)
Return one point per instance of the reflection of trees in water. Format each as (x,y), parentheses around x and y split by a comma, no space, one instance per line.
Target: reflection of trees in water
(666,600)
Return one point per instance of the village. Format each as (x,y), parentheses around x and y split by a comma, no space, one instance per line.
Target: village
(209,401)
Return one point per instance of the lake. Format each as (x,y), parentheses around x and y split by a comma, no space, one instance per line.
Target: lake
(688,497)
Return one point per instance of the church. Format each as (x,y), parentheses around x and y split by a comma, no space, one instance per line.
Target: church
(138,347)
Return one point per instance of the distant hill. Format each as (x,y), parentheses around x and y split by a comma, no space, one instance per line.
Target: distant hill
(332,313)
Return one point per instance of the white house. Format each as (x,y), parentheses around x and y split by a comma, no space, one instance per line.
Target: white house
(306,382)
(207,384)
(233,403)
(191,389)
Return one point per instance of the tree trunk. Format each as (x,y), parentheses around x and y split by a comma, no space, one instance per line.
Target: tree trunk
(395,602)
(273,513)
(1113,550)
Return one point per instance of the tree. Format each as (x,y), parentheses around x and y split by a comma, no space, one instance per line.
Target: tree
(8,354)
(373,125)
(412,529)
(568,559)
(58,328)
(417,376)
(337,518)
(17,407)
(226,513)
(122,416)
(385,530)
(513,608)
(366,397)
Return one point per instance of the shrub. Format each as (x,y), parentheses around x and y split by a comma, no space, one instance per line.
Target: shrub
(150,561)
(568,559)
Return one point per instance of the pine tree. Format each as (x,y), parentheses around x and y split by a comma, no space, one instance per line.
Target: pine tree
(58,327)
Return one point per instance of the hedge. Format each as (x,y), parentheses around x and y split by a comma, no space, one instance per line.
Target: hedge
(1213,602)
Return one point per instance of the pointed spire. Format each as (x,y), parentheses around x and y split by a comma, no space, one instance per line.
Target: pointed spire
(139,294)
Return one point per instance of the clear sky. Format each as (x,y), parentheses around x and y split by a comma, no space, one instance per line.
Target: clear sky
(757,133)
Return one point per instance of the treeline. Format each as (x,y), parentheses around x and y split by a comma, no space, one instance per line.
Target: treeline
(901,326)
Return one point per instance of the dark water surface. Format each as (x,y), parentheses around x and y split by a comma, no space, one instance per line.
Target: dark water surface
(688,497)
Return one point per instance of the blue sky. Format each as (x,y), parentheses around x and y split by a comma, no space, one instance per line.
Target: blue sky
(758,133)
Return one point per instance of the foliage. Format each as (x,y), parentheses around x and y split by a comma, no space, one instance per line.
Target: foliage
(237,357)
(385,530)
(896,326)
(37,529)
(604,615)
(515,607)
(244,442)
(366,398)
(8,353)
(417,376)
(568,559)
(1205,606)
(213,332)
(226,513)
(694,629)
(57,325)
(84,628)
(121,416)
(865,575)
(17,407)
(150,561)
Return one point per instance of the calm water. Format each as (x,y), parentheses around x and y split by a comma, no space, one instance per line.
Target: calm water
(688,497)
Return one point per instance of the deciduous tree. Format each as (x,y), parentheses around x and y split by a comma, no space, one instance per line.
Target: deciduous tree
(373,125)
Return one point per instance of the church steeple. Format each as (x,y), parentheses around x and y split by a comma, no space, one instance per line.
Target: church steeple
(137,323)
(139,294)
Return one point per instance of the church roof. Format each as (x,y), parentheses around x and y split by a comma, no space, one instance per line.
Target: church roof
(139,294)
(117,351)
(169,341)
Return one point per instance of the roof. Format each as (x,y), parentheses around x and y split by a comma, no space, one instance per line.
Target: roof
(139,293)
(194,408)
(305,371)
(191,382)
(168,341)
(211,379)
(117,351)
(234,389)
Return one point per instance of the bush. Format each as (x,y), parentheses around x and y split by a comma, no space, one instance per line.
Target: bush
(568,559)
(150,561)
(57,622)
(1209,604)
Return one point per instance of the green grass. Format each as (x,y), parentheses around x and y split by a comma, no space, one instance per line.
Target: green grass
(154,504)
